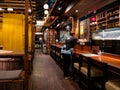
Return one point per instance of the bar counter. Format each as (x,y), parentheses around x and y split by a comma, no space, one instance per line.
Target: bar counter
(58,45)
(115,62)
(107,63)
(112,61)
(55,53)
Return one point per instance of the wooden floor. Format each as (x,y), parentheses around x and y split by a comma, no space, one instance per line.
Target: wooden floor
(47,75)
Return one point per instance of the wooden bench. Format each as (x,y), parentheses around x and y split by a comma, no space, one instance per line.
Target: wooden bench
(11,74)
(12,80)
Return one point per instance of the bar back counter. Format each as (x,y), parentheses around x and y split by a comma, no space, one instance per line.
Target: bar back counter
(93,70)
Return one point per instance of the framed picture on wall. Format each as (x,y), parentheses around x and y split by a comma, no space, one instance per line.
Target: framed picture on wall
(63,35)
(84,29)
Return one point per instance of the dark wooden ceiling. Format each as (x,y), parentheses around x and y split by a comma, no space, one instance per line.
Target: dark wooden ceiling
(17,5)
(85,7)
(59,7)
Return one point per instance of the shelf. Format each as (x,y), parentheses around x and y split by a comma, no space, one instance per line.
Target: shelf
(109,18)
(102,22)
(115,14)
(113,19)
(100,19)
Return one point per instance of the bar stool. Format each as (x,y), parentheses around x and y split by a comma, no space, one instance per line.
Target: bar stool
(90,75)
(112,85)
(112,79)
(75,66)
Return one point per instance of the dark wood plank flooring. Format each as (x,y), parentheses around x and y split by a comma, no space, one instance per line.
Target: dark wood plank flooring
(47,75)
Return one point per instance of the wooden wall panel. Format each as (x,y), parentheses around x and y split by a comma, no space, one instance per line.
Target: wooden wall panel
(1,34)
(29,37)
(13,31)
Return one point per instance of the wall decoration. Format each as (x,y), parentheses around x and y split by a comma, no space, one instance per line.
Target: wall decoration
(84,29)
(63,35)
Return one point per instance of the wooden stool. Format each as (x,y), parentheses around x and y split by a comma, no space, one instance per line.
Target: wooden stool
(90,74)
(76,66)
(112,85)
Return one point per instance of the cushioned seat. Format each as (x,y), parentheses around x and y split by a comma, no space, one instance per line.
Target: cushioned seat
(76,65)
(13,74)
(94,71)
(112,85)
(61,56)
(5,59)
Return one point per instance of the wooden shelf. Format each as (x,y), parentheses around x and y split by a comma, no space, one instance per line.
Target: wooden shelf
(109,18)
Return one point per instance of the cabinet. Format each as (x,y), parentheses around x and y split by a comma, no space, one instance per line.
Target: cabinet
(113,17)
(101,20)
(50,38)
(108,40)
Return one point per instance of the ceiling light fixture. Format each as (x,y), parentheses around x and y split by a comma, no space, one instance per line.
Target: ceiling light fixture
(45,12)
(59,8)
(45,6)
(76,11)
(29,10)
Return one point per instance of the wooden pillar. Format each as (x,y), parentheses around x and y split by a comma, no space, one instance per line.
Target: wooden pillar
(33,36)
(26,46)
(33,32)
(73,24)
(78,29)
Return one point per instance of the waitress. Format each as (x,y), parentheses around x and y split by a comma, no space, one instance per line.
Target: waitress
(67,55)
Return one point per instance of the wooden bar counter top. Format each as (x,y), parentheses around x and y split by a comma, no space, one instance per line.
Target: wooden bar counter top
(59,45)
(112,61)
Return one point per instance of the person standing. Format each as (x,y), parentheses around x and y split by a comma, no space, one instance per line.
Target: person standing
(67,54)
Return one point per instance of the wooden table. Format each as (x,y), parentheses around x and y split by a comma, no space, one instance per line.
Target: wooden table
(8,53)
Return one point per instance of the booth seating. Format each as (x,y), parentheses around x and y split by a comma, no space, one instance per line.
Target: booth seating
(11,74)
(10,64)
(12,80)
